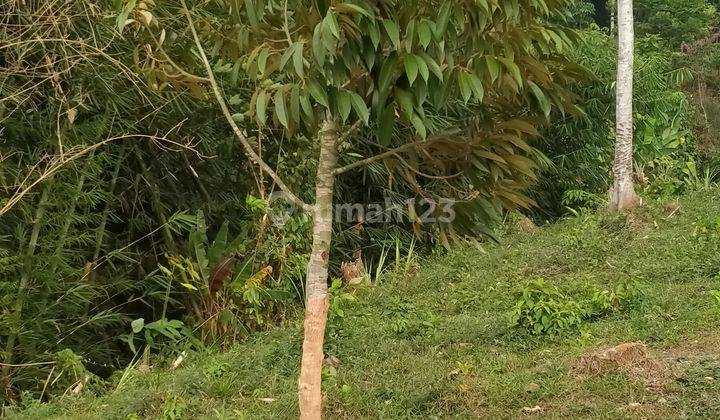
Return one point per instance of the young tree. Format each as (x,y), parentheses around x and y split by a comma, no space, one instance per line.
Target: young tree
(377,77)
(622,196)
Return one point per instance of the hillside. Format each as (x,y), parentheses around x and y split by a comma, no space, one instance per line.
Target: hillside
(434,339)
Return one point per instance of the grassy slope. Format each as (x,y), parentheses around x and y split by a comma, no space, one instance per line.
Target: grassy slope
(438,342)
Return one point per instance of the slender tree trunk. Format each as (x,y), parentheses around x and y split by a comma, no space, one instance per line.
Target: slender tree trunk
(25,277)
(310,392)
(623,195)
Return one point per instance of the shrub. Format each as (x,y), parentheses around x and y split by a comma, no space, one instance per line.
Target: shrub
(543,310)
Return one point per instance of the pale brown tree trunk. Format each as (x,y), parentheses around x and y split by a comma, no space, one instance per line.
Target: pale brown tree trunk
(316,295)
(622,196)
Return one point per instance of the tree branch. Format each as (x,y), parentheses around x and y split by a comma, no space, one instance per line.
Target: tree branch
(228,116)
(395,151)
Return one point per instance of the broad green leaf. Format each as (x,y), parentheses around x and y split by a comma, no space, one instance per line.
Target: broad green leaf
(393,33)
(251,13)
(298,59)
(443,19)
(477,87)
(411,68)
(355,8)
(124,13)
(541,98)
(318,47)
(360,107)
(137,325)
(422,67)
(295,104)
(332,23)
(260,106)
(306,106)
(318,93)
(432,65)
(287,55)
(410,35)
(280,111)
(262,61)
(344,103)
(493,68)
(513,68)
(387,71)
(419,126)
(386,125)
(465,86)
(405,100)
(424,33)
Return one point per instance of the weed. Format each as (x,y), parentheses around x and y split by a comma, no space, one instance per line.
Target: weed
(543,309)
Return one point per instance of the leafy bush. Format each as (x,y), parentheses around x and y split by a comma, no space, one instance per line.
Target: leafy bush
(543,309)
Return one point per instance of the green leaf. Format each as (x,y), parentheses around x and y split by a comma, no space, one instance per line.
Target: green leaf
(419,126)
(287,55)
(443,20)
(298,59)
(251,13)
(318,94)
(465,86)
(318,47)
(344,103)
(513,68)
(355,8)
(306,106)
(280,111)
(392,30)
(295,104)
(477,87)
(493,68)
(386,125)
(387,71)
(411,68)
(262,61)
(405,100)
(360,107)
(422,68)
(137,325)
(124,13)
(424,33)
(260,105)
(433,65)
(541,98)
(332,23)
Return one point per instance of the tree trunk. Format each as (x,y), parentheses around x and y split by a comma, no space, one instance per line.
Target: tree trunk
(309,387)
(623,193)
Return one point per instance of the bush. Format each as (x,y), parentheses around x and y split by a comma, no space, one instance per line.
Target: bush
(543,309)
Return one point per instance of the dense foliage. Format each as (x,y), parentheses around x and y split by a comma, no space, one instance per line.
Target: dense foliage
(133,225)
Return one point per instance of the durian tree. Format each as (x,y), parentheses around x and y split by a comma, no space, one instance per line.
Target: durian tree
(448,93)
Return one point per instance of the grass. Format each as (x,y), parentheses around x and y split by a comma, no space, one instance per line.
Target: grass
(438,342)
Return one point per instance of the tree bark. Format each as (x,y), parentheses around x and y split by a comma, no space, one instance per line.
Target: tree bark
(623,195)
(316,294)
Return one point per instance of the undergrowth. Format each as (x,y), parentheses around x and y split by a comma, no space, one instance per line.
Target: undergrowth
(435,341)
